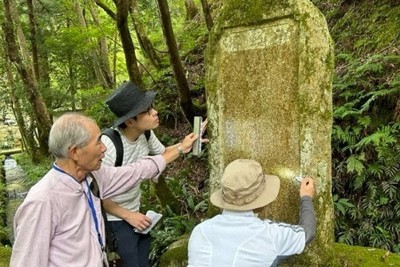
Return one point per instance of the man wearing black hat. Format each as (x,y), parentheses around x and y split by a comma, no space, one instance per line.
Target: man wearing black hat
(135,115)
(237,237)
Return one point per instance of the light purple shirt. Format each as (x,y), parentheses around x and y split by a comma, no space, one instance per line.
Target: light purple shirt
(239,238)
(54,225)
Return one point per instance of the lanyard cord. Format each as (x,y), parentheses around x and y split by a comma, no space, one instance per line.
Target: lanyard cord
(91,205)
(96,222)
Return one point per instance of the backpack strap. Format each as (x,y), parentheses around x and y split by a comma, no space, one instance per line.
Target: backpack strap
(116,139)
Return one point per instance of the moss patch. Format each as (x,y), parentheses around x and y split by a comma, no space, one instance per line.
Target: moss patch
(5,254)
(341,255)
(176,254)
(356,256)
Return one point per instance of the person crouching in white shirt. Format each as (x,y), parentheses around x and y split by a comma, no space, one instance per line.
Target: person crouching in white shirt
(237,237)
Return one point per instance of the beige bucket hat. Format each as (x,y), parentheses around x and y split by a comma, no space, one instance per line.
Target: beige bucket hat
(244,186)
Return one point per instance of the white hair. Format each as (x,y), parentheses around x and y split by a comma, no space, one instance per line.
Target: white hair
(70,129)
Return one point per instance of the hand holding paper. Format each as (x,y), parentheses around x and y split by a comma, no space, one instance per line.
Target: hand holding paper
(155,217)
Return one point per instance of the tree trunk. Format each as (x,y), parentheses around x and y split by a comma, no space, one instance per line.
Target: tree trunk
(44,78)
(165,195)
(96,61)
(32,37)
(72,84)
(207,14)
(28,140)
(40,111)
(182,84)
(40,64)
(144,41)
(104,63)
(127,43)
(18,33)
(115,52)
(115,37)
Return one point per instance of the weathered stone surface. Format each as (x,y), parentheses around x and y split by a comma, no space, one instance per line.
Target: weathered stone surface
(340,255)
(269,78)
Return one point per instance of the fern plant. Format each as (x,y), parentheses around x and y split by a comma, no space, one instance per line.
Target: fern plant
(366,151)
(174,225)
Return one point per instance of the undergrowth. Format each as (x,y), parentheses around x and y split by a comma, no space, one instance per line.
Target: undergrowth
(366,130)
(187,180)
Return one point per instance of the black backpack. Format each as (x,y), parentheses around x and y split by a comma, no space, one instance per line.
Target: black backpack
(116,139)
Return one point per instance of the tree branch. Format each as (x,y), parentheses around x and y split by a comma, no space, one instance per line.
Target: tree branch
(106,9)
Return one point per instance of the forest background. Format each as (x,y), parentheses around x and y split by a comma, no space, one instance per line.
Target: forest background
(58,56)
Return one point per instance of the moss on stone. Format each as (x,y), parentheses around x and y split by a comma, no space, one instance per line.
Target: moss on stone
(176,255)
(256,10)
(340,255)
(5,255)
(345,255)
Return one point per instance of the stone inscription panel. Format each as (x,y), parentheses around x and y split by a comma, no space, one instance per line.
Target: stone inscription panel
(258,94)
(260,37)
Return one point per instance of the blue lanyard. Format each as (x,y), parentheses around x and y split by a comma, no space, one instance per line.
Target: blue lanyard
(91,205)
(96,222)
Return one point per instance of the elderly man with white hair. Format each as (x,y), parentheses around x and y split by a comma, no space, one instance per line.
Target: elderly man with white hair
(60,221)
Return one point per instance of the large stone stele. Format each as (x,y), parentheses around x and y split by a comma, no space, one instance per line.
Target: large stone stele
(269,67)
(269,81)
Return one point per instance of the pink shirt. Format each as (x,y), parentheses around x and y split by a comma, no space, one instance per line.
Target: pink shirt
(54,225)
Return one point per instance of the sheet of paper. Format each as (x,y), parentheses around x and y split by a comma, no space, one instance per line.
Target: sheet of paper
(197,130)
(155,217)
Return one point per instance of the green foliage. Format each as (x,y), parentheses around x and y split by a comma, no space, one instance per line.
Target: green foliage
(4,234)
(102,114)
(366,158)
(362,26)
(366,130)
(33,171)
(167,101)
(193,203)
(341,205)
(367,175)
(93,103)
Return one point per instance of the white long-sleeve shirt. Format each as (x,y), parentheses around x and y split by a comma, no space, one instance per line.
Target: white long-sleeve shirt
(240,238)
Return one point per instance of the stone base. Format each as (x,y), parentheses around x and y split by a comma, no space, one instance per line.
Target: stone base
(341,255)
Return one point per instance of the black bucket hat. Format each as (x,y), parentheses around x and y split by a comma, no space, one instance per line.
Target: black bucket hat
(127,101)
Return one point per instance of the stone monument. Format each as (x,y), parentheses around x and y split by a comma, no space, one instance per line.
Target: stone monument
(268,82)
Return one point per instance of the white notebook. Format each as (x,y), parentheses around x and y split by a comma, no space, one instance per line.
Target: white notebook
(155,217)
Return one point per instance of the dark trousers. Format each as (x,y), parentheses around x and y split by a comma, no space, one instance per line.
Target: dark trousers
(133,248)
